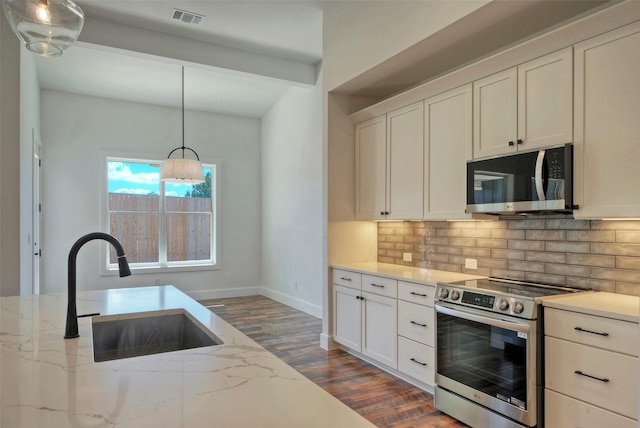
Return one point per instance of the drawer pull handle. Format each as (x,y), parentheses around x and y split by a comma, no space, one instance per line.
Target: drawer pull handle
(592,332)
(418,362)
(417,323)
(418,294)
(345,279)
(378,285)
(601,379)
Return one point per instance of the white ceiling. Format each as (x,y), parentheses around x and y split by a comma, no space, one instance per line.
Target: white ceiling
(289,29)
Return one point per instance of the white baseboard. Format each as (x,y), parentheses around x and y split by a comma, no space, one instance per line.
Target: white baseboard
(326,342)
(226,292)
(301,305)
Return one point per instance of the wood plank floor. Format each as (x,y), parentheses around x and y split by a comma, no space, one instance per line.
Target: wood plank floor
(293,336)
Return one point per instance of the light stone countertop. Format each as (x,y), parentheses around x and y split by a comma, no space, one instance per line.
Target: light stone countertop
(406,273)
(610,305)
(47,381)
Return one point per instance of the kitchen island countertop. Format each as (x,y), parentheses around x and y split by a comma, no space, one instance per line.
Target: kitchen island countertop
(46,380)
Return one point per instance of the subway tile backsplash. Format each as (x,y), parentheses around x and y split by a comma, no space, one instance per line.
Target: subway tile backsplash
(603,255)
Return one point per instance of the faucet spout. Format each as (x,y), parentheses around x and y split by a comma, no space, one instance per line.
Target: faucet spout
(71,329)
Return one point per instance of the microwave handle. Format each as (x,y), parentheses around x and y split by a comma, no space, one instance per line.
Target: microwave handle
(538,176)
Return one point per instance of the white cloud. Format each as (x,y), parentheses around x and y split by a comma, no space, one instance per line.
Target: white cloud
(121,171)
(171,193)
(130,191)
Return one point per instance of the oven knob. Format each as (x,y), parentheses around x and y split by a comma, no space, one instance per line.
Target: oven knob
(455,295)
(518,307)
(503,304)
(444,293)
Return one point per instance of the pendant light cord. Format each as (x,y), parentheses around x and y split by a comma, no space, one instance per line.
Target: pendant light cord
(183,112)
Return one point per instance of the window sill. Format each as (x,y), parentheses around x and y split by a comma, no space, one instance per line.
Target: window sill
(161,269)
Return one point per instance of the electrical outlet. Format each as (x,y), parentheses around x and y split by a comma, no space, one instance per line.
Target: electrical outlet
(470,263)
(407,257)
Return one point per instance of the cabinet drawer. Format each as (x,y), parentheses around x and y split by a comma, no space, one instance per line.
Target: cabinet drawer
(565,412)
(347,278)
(416,322)
(619,393)
(416,360)
(416,293)
(605,333)
(380,285)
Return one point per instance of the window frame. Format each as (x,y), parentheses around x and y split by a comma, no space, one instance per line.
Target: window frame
(162,266)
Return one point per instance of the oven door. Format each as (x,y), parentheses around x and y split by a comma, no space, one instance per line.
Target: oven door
(489,359)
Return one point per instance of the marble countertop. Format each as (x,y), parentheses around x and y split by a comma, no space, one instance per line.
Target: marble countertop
(610,305)
(46,380)
(406,273)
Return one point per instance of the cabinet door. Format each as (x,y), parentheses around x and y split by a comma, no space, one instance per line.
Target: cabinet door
(495,106)
(379,329)
(347,317)
(607,125)
(545,100)
(371,168)
(405,162)
(448,143)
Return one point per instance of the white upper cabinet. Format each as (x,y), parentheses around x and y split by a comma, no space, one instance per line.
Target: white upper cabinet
(405,139)
(607,125)
(495,107)
(389,165)
(371,168)
(525,107)
(448,138)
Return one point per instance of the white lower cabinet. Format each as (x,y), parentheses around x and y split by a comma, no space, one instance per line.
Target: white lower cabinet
(566,412)
(416,360)
(591,371)
(366,322)
(379,330)
(389,321)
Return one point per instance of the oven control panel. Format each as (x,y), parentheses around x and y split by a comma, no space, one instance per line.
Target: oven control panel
(499,303)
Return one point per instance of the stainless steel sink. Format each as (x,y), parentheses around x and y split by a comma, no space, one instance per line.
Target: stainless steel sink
(116,337)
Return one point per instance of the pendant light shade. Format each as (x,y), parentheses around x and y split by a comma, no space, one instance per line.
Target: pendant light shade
(46,27)
(182,170)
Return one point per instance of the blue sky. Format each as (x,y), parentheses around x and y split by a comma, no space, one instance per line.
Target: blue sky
(140,179)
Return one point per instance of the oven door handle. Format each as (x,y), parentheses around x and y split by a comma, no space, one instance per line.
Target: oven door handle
(484,318)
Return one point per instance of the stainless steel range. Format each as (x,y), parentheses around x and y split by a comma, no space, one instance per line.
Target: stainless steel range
(489,358)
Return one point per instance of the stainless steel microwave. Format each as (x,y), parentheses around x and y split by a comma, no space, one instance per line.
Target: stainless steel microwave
(524,182)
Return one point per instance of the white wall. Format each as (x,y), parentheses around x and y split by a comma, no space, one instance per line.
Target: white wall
(9,161)
(77,129)
(293,224)
(29,130)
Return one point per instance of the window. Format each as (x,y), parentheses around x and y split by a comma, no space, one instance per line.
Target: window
(160,225)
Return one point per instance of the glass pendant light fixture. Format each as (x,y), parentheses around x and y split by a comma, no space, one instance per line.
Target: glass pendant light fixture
(182,170)
(46,27)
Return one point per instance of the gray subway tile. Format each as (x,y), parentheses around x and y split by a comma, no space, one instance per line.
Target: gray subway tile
(526,224)
(591,260)
(627,236)
(545,278)
(628,288)
(462,242)
(443,249)
(476,252)
(615,249)
(568,270)
(618,275)
(508,233)
(491,224)
(480,271)
(493,263)
(542,256)
(449,267)
(545,235)
(449,232)
(500,253)
(593,284)
(491,243)
(506,273)
(591,235)
(385,259)
(526,266)
(566,223)
(515,244)
(628,262)
(567,247)
(476,233)
(616,224)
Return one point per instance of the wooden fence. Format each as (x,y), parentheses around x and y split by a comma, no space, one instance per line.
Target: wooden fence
(137,227)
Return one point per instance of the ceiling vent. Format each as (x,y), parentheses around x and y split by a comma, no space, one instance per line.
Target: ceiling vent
(186,17)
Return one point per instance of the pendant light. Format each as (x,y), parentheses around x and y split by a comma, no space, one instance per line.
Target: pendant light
(182,170)
(46,27)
